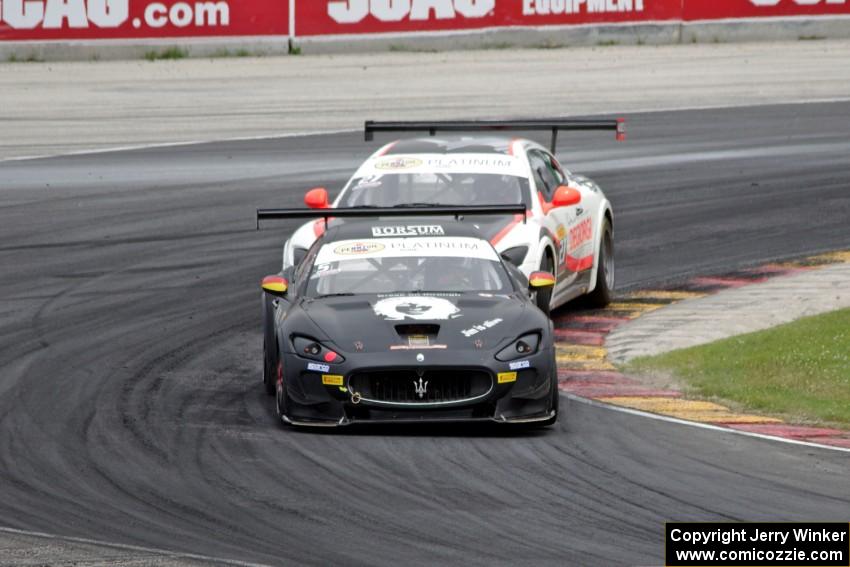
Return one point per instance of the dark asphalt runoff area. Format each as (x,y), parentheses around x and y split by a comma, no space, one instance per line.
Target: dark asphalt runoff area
(131,408)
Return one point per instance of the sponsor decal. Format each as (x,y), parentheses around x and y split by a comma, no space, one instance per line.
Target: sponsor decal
(318,367)
(409,230)
(375,171)
(117,19)
(562,232)
(580,250)
(761,3)
(463,246)
(358,346)
(475,329)
(694,10)
(332,379)
(472,163)
(416,307)
(408,247)
(580,233)
(352,17)
(428,294)
(58,14)
(506,377)
(354,11)
(478,343)
(557,7)
(520,364)
(358,248)
(419,347)
(398,163)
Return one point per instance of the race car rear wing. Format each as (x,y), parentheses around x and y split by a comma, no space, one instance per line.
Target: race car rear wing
(554,125)
(374,212)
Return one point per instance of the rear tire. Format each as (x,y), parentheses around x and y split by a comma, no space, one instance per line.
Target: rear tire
(603,293)
(543,297)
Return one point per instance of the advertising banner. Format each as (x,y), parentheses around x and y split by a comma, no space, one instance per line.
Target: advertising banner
(136,19)
(343,17)
(735,9)
(36,20)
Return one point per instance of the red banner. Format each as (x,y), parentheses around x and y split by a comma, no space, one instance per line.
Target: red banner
(334,17)
(731,9)
(135,19)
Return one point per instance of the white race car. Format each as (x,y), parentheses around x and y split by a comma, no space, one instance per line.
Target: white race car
(568,229)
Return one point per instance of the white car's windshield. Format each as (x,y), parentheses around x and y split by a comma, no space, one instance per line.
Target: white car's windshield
(407,265)
(391,189)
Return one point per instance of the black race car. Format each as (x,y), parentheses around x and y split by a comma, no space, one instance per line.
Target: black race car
(407,319)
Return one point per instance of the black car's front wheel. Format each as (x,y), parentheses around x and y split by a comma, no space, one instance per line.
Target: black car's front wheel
(269,370)
(269,362)
(556,397)
(281,397)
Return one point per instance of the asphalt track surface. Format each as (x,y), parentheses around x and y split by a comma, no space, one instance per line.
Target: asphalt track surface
(131,408)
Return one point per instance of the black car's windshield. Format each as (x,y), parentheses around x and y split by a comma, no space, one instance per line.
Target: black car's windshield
(389,189)
(407,265)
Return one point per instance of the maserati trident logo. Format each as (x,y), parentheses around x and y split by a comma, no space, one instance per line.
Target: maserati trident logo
(421,388)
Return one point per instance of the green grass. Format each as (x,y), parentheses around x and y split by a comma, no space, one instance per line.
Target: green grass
(170,53)
(550,44)
(497,45)
(31,58)
(227,53)
(402,48)
(799,371)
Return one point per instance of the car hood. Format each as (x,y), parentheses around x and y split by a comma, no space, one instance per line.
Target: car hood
(377,323)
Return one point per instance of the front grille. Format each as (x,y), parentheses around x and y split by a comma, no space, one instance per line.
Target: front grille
(434,386)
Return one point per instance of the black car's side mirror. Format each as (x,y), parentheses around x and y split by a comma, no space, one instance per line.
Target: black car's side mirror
(275,285)
(539,280)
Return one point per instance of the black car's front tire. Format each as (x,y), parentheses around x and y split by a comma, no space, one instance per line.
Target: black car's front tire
(282,402)
(555,403)
(269,363)
(269,370)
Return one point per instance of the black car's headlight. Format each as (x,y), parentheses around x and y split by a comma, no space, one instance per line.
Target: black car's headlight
(515,255)
(524,346)
(314,350)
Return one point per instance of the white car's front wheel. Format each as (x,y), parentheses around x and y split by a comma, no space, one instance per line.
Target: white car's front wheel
(543,297)
(603,293)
